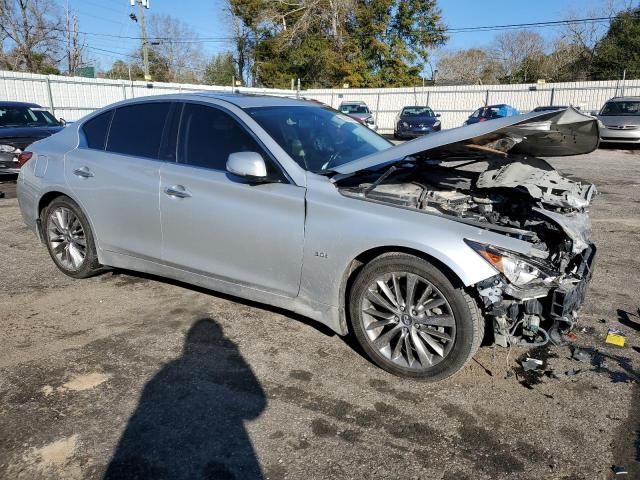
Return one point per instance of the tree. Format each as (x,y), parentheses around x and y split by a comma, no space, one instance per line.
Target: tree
(472,66)
(620,48)
(512,48)
(176,44)
(330,42)
(32,28)
(220,70)
(75,45)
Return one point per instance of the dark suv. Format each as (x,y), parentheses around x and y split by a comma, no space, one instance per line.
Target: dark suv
(21,124)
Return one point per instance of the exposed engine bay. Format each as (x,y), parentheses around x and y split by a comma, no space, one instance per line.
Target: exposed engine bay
(532,299)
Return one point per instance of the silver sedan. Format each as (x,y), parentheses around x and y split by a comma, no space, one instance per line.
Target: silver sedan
(411,248)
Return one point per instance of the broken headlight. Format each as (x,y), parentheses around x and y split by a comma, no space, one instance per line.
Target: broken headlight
(518,271)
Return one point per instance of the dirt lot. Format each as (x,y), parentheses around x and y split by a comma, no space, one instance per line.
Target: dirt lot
(125,376)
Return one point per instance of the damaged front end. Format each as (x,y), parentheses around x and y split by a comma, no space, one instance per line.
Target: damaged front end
(496,181)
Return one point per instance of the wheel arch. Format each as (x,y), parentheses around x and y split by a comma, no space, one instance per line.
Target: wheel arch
(48,197)
(356,264)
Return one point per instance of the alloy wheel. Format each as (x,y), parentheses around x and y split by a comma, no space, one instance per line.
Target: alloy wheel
(408,320)
(66,238)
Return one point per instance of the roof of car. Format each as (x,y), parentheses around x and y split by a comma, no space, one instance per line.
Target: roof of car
(242,100)
(18,104)
(624,99)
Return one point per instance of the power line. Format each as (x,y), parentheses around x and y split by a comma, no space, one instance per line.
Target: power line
(485,28)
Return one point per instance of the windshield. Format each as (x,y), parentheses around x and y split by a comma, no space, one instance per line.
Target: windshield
(19,116)
(353,108)
(318,138)
(621,108)
(417,112)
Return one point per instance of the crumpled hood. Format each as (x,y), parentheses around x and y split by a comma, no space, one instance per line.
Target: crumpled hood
(545,134)
(541,181)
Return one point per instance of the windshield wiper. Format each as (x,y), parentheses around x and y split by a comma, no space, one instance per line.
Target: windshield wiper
(380,179)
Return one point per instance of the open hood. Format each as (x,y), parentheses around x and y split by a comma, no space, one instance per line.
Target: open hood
(546,134)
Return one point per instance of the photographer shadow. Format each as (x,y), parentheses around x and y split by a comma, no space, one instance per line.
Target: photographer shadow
(189,422)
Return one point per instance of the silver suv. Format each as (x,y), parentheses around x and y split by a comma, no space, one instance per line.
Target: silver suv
(620,120)
(412,248)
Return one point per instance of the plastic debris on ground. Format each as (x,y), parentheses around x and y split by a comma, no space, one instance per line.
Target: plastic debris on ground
(615,337)
(531,364)
(618,470)
(580,355)
(570,337)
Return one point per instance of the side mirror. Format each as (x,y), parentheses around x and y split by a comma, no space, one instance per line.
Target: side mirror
(438,115)
(594,113)
(249,165)
(63,122)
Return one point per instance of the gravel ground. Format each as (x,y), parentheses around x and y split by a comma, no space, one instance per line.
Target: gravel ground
(127,376)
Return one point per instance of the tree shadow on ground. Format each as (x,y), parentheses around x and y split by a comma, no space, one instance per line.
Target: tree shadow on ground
(189,422)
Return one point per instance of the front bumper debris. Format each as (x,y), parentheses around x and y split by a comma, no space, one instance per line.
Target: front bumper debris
(535,316)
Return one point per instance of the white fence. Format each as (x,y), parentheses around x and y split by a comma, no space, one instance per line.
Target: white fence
(74,97)
(455,104)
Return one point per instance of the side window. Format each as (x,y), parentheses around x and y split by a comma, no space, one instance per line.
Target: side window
(137,129)
(95,130)
(209,135)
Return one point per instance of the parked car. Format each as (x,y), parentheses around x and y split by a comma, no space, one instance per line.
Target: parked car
(296,205)
(20,125)
(620,120)
(414,122)
(549,108)
(491,112)
(360,112)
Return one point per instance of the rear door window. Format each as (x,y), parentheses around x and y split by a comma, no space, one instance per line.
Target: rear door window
(95,130)
(137,129)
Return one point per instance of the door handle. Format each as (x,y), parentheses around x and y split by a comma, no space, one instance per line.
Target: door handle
(83,172)
(177,191)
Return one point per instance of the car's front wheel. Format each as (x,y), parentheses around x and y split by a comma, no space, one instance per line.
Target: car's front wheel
(411,320)
(69,238)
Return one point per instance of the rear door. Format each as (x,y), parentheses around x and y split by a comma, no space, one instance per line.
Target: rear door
(221,225)
(115,175)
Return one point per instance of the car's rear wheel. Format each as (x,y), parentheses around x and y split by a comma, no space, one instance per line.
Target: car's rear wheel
(411,320)
(69,238)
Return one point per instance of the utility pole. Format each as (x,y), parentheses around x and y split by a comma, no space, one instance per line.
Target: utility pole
(142,5)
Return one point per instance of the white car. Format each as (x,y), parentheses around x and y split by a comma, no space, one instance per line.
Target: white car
(619,120)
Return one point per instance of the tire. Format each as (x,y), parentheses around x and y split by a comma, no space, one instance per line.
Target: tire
(66,229)
(449,337)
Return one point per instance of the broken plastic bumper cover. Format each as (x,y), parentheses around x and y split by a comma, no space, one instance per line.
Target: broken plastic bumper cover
(539,304)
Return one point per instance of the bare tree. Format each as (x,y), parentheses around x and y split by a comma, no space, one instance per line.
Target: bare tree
(583,37)
(472,66)
(512,48)
(176,43)
(33,30)
(76,46)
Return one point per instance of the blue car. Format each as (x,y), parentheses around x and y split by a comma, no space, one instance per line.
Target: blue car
(413,122)
(490,112)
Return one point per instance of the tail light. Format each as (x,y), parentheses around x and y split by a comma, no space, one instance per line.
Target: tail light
(483,119)
(24,157)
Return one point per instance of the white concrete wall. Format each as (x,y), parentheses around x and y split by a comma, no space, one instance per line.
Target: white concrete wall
(73,97)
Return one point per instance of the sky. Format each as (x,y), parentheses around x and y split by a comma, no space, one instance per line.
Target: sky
(207,18)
